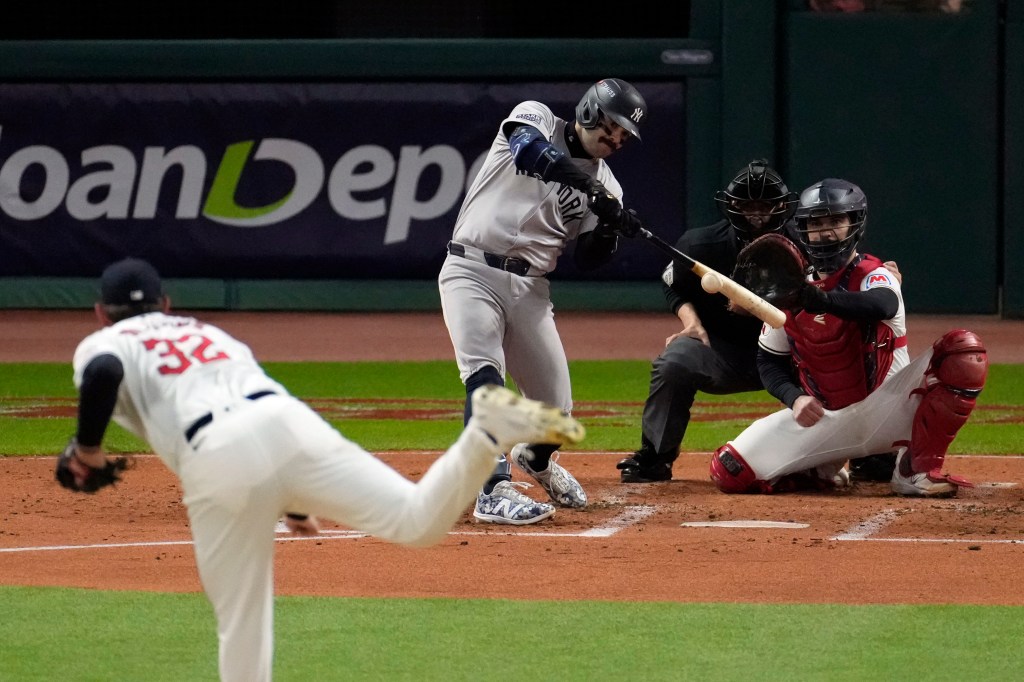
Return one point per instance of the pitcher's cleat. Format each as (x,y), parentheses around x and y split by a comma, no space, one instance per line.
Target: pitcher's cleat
(508,418)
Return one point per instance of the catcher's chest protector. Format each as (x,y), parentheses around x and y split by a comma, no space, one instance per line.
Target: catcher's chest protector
(841,361)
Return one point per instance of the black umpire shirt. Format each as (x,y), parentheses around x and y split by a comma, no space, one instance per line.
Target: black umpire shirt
(715,246)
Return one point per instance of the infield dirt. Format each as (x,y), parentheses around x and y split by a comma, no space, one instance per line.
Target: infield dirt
(859,546)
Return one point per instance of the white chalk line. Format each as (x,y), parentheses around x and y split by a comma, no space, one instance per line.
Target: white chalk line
(627,518)
(586,453)
(867,528)
(864,530)
(934,540)
(324,535)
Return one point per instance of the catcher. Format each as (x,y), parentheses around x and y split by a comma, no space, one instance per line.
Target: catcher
(247,453)
(841,365)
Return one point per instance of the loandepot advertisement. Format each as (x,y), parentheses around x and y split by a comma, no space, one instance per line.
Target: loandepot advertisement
(283,181)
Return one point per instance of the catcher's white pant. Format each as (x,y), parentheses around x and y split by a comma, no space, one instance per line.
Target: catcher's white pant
(267,457)
(776,445)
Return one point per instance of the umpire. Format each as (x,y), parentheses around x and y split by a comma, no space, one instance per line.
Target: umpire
(716,350)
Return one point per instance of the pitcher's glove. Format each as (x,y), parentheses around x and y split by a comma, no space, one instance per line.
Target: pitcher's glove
(775,269)
(74,474)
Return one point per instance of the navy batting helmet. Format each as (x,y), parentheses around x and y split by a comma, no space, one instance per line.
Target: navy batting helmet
(757,190)
(829,197)
(616,99)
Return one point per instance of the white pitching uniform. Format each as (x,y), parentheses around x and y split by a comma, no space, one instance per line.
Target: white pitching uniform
(258,453)
(496,317)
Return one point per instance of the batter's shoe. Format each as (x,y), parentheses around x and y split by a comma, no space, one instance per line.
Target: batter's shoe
(505,504)
(933,483)
(560,485)
(509,418)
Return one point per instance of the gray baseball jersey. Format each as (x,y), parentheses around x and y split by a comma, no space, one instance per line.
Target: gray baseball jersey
(502,319)
(512,214)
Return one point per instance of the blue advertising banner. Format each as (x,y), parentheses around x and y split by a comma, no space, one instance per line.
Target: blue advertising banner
(284,181)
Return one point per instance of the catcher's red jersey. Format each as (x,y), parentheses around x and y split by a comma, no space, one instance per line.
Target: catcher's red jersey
(841,361)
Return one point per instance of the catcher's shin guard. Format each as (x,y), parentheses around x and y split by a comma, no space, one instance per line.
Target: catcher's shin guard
(956,375)
(733,475)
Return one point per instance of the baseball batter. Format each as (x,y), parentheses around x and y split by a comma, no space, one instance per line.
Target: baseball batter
(543,183)
(247,453)
(841,366)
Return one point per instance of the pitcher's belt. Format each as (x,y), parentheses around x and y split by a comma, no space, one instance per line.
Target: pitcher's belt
(517,266)
(198,424)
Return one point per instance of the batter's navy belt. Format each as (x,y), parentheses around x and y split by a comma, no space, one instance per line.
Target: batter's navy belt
(517,266)
(198,424)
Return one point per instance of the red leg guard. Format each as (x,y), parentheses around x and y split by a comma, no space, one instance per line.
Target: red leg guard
(960,364)
(960,361)
(732,474)
(939,417)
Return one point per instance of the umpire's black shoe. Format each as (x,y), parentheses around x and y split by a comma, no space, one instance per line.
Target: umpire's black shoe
(644,466)
(876,468)
(653,473)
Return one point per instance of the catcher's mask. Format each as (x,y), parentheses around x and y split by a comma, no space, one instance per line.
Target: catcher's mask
(828,197)
(616,99)
(758,189)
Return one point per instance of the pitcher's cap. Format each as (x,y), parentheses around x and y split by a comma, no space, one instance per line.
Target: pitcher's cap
(130,281)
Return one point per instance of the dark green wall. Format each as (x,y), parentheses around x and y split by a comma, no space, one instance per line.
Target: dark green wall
(924,111)
(1013,162)
(906,106)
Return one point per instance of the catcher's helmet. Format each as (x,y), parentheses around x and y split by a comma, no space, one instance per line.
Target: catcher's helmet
(831,196)
(616,99)
(758,182)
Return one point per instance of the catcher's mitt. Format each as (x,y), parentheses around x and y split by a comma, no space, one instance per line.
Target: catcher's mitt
(773,268)
(74,474)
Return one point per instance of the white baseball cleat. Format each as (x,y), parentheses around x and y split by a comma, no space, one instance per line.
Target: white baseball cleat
(508,418)
(505,504)
(841,479)
(561,486)
(925,484)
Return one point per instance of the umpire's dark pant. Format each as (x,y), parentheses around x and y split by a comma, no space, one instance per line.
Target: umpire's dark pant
(683,368)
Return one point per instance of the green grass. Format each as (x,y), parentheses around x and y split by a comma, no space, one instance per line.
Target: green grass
(616,389)
(85,635)
(67,634)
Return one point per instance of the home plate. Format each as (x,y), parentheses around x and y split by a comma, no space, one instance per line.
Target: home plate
(741,523)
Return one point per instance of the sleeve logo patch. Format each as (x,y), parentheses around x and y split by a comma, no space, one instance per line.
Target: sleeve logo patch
(878,280)
(535,118)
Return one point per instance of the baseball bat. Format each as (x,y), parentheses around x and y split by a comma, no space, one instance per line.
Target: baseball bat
(715,282)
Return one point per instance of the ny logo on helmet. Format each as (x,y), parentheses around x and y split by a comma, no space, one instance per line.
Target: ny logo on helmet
(637,114)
